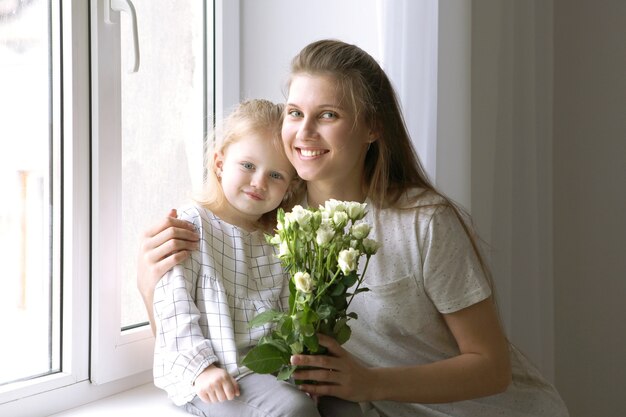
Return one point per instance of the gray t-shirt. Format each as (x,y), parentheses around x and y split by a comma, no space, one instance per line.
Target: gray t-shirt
(426,267)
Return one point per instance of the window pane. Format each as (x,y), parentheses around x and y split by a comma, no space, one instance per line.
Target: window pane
(162,124)
(26,309)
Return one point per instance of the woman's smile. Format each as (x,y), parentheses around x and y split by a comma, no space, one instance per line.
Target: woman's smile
(311,153)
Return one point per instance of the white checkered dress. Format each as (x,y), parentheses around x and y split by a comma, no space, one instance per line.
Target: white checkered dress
(203,307)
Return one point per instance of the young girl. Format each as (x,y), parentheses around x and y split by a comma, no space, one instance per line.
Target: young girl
(202,307)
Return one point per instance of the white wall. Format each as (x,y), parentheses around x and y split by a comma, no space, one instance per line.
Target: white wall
(274,31)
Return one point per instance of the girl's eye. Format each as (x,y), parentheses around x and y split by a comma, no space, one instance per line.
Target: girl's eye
(247,165)
(328,115)
(276,175)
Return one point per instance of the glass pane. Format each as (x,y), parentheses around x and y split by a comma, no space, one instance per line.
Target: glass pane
(26,310)
(162,125)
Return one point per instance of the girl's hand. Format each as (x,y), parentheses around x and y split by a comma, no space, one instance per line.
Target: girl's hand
(216,385)
(340,375)
(162,247)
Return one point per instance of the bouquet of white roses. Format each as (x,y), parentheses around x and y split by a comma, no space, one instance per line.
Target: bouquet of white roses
(321,249)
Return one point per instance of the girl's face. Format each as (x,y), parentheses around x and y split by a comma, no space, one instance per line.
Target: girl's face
(320,135)
(254,177)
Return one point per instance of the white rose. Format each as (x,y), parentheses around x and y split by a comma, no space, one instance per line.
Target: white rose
(355,210)
(275,239)
(360,230)
(303,282)
(302,217)
(331,206)
(347,260)
(370,246)
(324,234)
(340,218)
(283,249)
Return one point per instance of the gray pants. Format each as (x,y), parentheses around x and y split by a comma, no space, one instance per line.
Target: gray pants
(264,396)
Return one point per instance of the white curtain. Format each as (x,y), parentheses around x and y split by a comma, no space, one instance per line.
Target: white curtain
(512,163)
(493,149)
(408,51)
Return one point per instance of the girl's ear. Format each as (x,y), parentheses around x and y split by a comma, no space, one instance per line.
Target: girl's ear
(218,163)
(218,159)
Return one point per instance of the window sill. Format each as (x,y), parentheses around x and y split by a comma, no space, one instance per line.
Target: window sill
(143,400)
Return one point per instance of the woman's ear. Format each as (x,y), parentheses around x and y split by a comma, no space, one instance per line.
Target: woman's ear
(374,134)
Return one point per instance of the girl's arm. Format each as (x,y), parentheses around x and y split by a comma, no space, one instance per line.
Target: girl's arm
(182,351)
(482,368)
(162,247)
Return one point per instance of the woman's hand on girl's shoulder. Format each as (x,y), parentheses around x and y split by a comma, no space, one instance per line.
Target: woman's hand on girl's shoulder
(163,246)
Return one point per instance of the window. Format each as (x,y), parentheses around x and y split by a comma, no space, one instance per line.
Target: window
(148,136)
(29,189)
(97,154)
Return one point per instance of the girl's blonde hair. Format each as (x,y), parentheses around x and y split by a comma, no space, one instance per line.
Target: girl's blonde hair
(249,117)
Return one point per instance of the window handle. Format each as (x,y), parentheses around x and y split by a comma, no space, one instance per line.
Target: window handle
(125,6)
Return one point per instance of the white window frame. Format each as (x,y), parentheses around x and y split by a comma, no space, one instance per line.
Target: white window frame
(70,104)
(115,354)
(98,359)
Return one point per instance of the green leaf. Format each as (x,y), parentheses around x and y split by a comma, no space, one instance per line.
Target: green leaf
(280,344)
(350,279)
(265,359)
(287,326)
(359,290)
(338,289)
(265,317)
(353,315)
(296,347)
(342,333)
(324,311)
(286,372)
(340,302)
(307,329)
(312,343)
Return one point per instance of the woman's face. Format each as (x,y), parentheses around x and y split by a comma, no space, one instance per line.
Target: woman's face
(320,135)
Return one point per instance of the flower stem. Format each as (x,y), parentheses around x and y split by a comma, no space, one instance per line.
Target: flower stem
(360,281)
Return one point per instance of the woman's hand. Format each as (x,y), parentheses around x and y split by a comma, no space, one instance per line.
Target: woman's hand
(162,247)
(340,375)
(216,385)
(481,368)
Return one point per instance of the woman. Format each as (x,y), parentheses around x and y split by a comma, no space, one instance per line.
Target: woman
(428,340)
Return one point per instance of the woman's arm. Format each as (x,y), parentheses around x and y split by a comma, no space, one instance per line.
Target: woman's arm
(162,246)
(482,368)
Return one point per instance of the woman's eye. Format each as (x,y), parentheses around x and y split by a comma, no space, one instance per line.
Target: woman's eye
(295,113)
(276,175)
(247,165)
(328,115)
